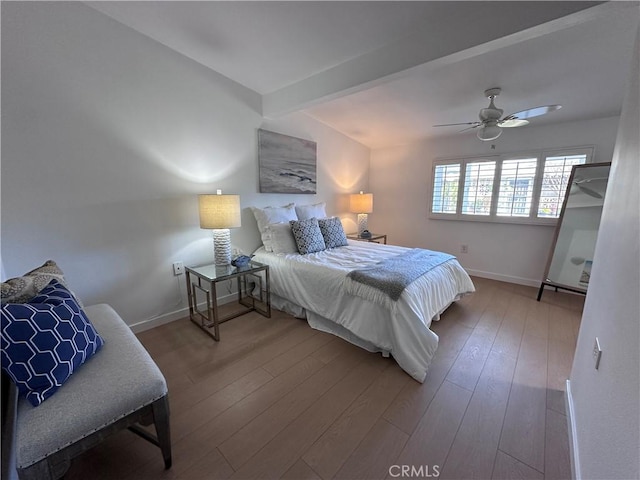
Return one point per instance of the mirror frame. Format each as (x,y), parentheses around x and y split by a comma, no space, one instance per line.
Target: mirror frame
(546,282)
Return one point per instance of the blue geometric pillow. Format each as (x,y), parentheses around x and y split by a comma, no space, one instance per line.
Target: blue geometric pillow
(307,235)
(333,232)
(45,340)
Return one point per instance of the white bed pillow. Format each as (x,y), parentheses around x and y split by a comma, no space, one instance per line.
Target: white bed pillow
(317,210)
(281,237)
(267,215)
(307,235)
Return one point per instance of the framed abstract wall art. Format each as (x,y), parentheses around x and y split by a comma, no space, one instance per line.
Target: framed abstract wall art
(287,164)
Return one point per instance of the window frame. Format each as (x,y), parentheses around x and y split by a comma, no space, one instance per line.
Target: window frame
(493,217)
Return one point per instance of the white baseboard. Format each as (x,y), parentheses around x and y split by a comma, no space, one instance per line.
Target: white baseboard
(176,315)
(183,312)
(573,434)
(159,320)
(504,278)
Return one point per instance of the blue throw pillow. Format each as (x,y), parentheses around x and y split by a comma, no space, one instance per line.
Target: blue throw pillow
(307,235)
(45,340)
(333,232)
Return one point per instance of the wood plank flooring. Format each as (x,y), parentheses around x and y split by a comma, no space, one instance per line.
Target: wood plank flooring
(276,399)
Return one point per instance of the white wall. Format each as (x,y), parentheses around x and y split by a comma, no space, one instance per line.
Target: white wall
(400,181)
(607,401)
(108,136)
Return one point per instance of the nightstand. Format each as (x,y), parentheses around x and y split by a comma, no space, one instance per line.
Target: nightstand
(375,238)
(205,278)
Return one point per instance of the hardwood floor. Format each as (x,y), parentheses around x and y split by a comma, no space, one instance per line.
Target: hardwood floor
(276,399)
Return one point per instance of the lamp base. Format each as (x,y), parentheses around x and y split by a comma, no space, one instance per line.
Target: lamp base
(362,223)
(222,246)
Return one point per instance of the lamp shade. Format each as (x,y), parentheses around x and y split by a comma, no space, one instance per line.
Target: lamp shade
(219,211)
(361,202)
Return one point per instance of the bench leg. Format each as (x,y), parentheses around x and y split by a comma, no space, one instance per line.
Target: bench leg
(55,465)
(163,431)
(157,411)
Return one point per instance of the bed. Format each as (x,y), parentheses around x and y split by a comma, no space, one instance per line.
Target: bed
(315,286)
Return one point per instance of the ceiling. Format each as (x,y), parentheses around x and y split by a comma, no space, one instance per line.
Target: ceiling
(384,72)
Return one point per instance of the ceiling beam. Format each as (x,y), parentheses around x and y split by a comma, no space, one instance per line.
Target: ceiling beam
(456,31)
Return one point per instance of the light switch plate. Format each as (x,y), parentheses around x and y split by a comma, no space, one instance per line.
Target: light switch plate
(597,352)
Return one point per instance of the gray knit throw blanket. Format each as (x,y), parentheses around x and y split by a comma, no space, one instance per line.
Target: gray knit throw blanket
(392,275)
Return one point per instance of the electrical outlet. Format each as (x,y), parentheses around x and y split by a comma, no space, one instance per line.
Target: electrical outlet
(597,352)
(178,268)
(464,248)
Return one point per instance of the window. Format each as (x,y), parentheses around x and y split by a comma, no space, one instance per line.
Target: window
(527,188)
(516,187)
(555,179)
(445,188)
(478,185)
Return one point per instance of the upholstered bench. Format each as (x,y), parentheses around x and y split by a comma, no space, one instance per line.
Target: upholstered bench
(118,387)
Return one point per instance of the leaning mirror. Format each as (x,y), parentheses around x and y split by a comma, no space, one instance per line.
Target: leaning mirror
(574,242)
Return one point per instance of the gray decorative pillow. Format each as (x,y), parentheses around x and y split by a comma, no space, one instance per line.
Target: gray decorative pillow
(282,240)
(333,232)
(22,289)
(307,235)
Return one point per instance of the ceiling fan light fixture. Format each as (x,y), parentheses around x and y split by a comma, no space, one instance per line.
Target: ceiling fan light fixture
(514,122)
(490,131)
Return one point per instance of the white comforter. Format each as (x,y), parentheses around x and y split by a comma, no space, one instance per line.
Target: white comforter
(315,282)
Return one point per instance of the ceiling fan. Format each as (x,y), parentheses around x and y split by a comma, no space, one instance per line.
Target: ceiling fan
(491,124)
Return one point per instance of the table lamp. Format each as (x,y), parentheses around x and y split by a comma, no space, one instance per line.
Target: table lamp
(362,204)
(220,213)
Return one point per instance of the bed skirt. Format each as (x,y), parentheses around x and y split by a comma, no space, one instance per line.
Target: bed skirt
(323,324)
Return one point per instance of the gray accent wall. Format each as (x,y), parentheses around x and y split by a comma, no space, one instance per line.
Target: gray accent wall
(107,138)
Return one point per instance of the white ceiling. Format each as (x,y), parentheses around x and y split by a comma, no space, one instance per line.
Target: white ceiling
(384,72)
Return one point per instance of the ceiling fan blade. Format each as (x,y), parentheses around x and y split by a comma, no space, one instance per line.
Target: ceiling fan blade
(469,128)
(533,112)
(588,191)
(455,124)
(513,122)
(588,180)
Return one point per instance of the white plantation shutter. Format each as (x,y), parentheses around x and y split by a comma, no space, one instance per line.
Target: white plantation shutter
(555,179)
(515,188)
(517,180)
(445,188)
(478,188)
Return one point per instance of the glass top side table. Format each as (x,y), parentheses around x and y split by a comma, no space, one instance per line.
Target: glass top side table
(374,238)
(203,279)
